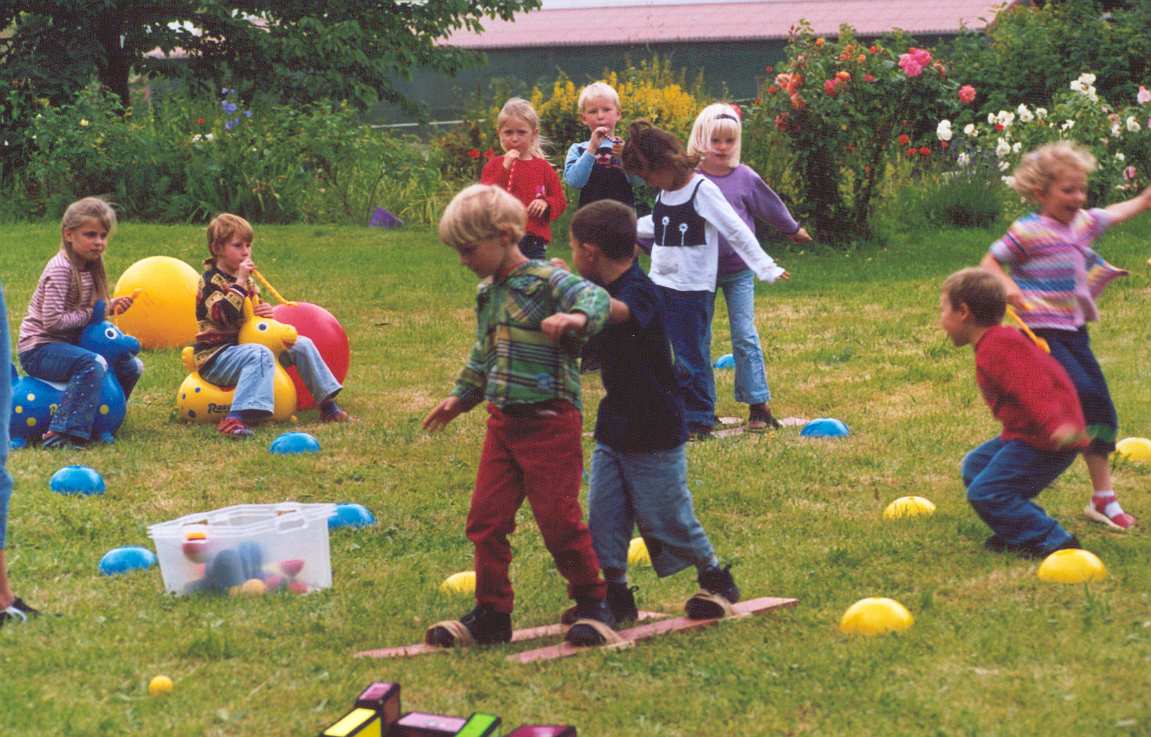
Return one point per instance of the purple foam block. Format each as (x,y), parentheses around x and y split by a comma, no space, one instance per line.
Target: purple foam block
(543,730)
(381,218)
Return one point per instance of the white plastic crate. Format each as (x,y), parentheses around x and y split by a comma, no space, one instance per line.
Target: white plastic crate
(283,545)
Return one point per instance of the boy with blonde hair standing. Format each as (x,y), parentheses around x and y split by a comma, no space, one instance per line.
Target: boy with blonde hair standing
(593,166)
(530,317)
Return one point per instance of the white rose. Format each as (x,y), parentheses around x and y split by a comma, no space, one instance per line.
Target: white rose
(1002,148)
(1009,181)
(1025,115)
(1005,118)
(969,130)
(1067,125)
(1041,113)
(1116,130)
(1132,124)
(1120,157)
(1004,166)
(991,118)
(943,130)
(963,159)
(1016,147)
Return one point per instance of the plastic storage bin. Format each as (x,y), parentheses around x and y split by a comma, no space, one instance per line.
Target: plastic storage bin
(246,548)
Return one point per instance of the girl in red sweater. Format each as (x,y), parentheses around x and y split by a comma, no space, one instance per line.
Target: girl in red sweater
(524,171)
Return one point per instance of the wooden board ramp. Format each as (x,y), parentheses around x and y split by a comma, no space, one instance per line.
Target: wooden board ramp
(646,631)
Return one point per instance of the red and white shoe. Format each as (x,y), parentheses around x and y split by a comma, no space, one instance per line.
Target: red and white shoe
(1121,522)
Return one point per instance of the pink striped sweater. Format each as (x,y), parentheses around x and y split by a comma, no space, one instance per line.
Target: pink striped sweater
(56,313)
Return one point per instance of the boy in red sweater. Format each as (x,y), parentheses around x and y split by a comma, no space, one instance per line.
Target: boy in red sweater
(1031,394)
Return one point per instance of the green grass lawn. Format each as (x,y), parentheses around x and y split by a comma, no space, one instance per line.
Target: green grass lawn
(993,652)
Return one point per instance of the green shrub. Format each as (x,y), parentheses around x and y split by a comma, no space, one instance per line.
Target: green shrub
(965,199)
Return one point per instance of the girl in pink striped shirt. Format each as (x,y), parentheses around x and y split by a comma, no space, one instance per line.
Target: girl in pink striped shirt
(71,283)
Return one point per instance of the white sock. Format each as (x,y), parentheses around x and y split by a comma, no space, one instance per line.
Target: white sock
(1110,503)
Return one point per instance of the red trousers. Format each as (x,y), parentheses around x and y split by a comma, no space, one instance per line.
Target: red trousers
(534,452)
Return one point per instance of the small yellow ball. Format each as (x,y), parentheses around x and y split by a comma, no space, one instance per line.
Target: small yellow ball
(909,506)
(160,685)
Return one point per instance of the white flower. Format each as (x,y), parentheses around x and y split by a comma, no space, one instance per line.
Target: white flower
(1009,181)
(963,159)
(969,130)
(207,137)
(991,118)
(1005,118)
(1116,130)
(1067,125)
(943,130)
(1025,115)
(1004,166)
(1002,148)
(1086,78)
(1016,147)
(1041,113)
(1132,124)
(1120,157)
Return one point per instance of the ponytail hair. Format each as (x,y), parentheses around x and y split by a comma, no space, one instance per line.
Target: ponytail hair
(649,148)
(79,212)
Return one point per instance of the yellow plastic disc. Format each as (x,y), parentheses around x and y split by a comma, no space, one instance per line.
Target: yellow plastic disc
(909,506)
(875,616)
(160,685)
(463,582)
(637,554)
(1071,566)
(1134,449)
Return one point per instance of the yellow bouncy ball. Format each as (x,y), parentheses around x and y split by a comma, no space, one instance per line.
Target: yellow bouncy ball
(463,582)
(875,616)
(1071,566)
(163,315)
(160,685)
(637,554)
(1134,449)
(909,506)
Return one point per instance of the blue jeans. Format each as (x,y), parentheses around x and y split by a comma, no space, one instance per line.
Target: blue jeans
(83,371)
(647,489)
(251,368)
(5,415)
(1002,477)
(688,321)
(1072,349)
(750,375)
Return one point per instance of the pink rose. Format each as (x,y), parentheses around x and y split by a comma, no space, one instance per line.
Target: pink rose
(1144,95)
(966,94)
(1129,173)
(910,66)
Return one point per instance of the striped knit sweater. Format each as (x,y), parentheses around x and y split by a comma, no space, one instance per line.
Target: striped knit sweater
(56,313)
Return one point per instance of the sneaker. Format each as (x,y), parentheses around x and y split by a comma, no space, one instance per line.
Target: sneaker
(486,626)
(17,611)
(713,580)
(234,428)
(1121,522)
(996,544)
(621,601)
(61,441)
(593,625)
(760,419)
(336,415)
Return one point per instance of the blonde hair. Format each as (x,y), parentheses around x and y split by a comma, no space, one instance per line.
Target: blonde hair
(518,107)
(1039,168)
(717,118)
(595,91)
(223,228)
(479,212)
(78,213)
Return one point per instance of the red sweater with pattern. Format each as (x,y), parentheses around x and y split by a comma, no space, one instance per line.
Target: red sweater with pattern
(530,180)
(1027,390)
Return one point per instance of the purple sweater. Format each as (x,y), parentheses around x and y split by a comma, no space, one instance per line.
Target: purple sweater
(752,200)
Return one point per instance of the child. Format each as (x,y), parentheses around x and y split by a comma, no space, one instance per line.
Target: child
(1031,394)
(1055,277)
(689,216)
(70,285)
(523,364)
(715,138)
(12,607)
(593,167)
(639,468)
(525,172)
(250,367)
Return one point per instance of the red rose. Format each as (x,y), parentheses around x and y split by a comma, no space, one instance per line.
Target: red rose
(999,128)
(924,151)
(967,94)
(843,76)
(769,69)
(473,153)
(489,154)
(869,78)
(772,89)
(830,88)
(200,121)
(904,139)
(873,49)
(912,151)
(943,145)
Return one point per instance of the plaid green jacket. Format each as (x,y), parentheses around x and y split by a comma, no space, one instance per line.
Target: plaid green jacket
(512,361)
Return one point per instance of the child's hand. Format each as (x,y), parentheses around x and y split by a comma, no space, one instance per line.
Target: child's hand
(263,309)
(559,263)
(511,157)
(1067,436)
(597,139)
(120,305)
(244,272)
(538,208)
(800,236)
(444,412)
(1014,297)
(558,325)
(785,276)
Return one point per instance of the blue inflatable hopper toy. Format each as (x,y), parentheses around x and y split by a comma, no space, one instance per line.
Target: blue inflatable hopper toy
(77,480)
(291,443)
(350,515)
(824,427)
(123,560)
(725,361)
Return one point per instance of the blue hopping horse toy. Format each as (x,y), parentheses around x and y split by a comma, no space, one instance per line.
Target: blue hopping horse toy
(34,400)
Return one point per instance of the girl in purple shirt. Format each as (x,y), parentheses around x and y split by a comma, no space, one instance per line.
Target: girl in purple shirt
(715,137)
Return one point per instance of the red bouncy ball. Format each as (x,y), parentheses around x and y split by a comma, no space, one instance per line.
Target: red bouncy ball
(326,332)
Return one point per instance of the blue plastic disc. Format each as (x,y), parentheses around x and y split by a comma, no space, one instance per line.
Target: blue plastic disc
(824,427)
(295,442)
(350,515)
(123,560)
(77,480)
(725,361)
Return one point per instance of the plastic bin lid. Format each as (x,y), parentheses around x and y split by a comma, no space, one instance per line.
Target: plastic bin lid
(242,519)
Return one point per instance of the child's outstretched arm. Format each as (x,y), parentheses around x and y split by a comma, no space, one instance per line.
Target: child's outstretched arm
(442,414)
(714,208)
(1128,209)
(767,206)
(1012,292)
(572,294)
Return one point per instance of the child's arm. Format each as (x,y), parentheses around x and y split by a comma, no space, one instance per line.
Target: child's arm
(495,173)
(1011,290)
(573,294)
(52,310)
(765,205)
(714,208)
(1128,209)
(467,393)
(645,233)
(578,165)
(618,312)
(442,414)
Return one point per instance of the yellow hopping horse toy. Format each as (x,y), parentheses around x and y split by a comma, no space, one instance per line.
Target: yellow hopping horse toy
(200,401)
